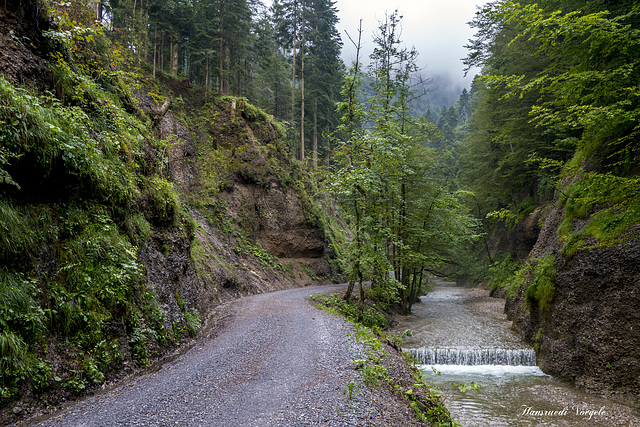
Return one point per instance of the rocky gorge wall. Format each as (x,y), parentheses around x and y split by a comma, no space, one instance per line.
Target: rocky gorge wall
(588,333)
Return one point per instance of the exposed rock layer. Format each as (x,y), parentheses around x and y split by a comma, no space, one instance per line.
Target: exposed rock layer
(591,334)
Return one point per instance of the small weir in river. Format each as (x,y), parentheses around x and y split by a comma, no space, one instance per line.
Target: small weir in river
(465,356)
(456,346)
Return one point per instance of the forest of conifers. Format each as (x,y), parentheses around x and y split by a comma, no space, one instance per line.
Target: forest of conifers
(285,59)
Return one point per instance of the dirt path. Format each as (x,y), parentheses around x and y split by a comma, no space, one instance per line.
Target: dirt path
(279,361)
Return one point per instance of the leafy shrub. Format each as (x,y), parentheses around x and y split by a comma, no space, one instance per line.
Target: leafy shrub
(373,374)
(254,114)
(542,288)
(610,203)
(503,272)
(191,317)
(372,318)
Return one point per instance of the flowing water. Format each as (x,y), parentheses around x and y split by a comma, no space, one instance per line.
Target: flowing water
(487,375)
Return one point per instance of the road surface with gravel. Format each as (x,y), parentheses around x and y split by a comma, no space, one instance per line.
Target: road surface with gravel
(278,361)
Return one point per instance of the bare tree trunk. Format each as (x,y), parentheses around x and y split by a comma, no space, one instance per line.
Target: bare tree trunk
(227,67)
(220,52)
(146,32)
(328,151)
(315,133)
(276,100)
(293,73)
(206,81)
(352,88)
(356,265)
(155,48)
(174,58)
(98,9)
(302,92)
(362,296)
(134,27)
(347,294)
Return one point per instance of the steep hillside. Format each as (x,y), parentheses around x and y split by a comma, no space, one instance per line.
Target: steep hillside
(580,308)
(127,217)
(575,296)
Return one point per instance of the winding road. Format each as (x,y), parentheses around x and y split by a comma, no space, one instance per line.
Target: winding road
(278,361)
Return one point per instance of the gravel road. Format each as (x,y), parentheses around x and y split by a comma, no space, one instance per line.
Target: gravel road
(279,361)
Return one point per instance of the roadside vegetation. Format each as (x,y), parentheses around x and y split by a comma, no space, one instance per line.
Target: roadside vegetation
(79,195)
(383,355)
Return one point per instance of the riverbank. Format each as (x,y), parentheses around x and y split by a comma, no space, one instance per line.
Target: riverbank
(509,396)
(614,413)
(479,301)
(386,368)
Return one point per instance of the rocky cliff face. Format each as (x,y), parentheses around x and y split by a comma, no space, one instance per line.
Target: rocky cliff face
(519,240)
(22,45)
(254,229)
(589,335)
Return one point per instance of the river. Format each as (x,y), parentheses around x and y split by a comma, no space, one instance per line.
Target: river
(487,374)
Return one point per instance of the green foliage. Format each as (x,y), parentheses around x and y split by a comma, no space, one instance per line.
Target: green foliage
(503,271)
(263,257)
(254,114)
(543,96)
(191,316)
(162,201)
(519,278)
(41,376)
(350,390)
(107,355)
(371,318)
(373,374)
(97,261)
(80,185)
(5,157)
(542,288)
(404,216)
(429,407)
(466,387)
(536,339)
(15,363)
(138,343)
(610,203)
(58,138)
(20,308)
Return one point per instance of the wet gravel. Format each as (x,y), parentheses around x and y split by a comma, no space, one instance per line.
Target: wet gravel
(479,301)
(279,361)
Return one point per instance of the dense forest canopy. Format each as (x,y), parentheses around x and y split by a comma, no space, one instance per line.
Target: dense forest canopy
(557,99)
(286,59)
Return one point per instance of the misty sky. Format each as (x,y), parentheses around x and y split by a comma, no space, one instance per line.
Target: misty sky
(437,28)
